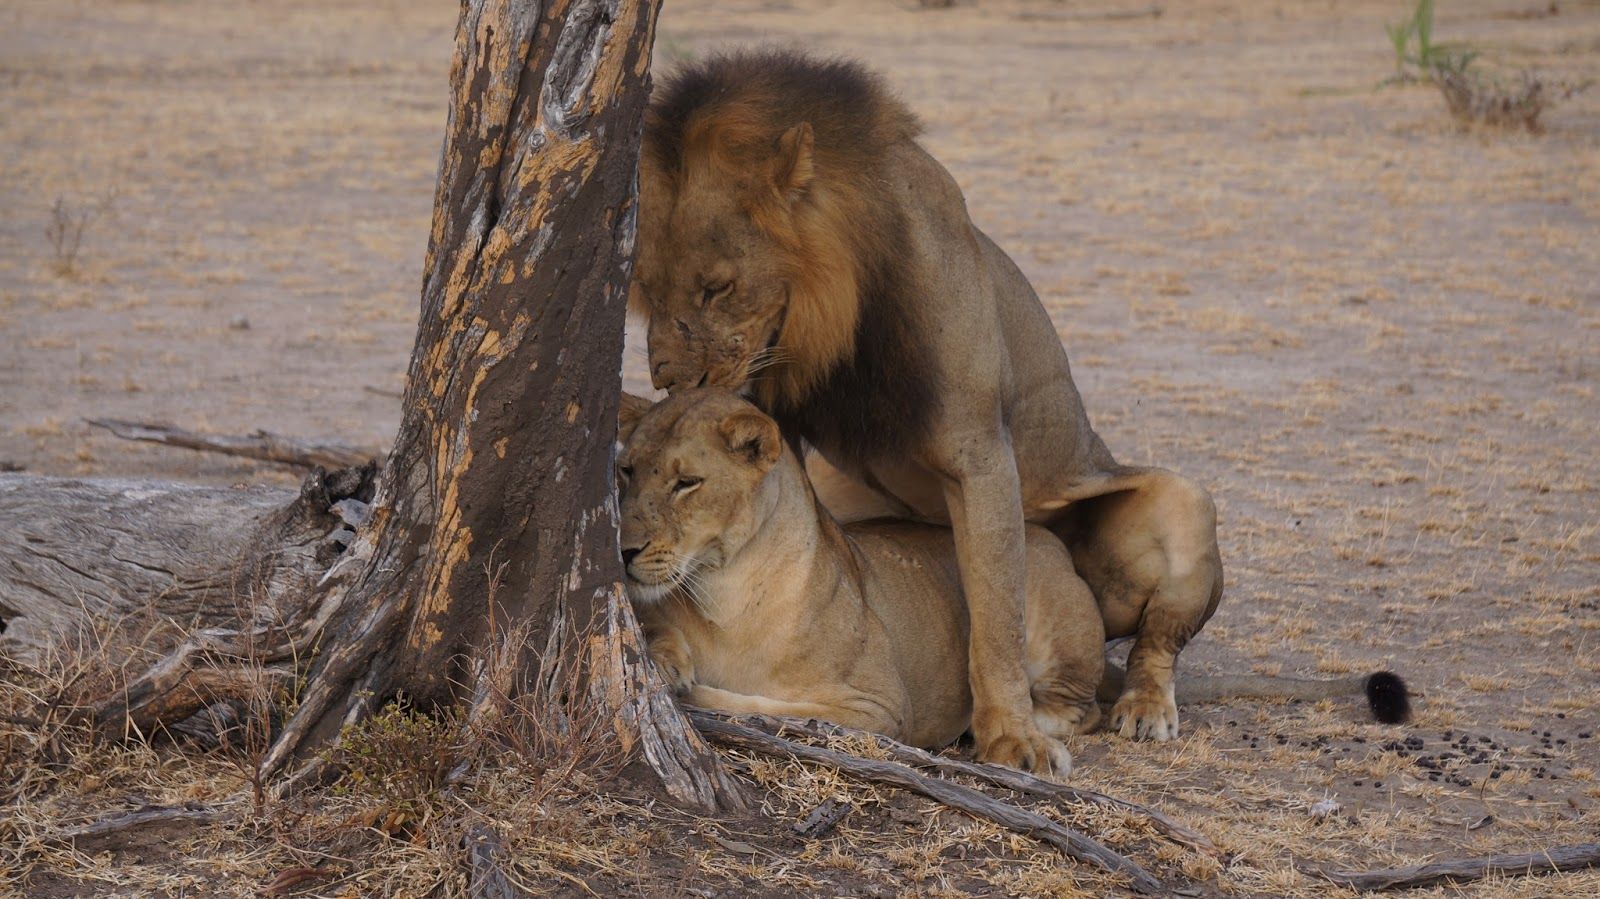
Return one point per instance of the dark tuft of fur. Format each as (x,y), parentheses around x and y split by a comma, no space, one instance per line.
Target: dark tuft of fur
(850,108)
(1388,698)
(880,402)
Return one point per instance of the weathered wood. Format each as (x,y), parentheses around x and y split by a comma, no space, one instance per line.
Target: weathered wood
(999,775)
(80,556)
(155,824)
(263,445)
(486,876)
(1465,870)
(648,715)
(726,730)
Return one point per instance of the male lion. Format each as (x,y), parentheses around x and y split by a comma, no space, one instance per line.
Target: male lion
(796,240)
(755,600)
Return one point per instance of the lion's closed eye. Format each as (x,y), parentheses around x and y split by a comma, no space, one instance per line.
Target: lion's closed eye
(713,291)
(685,485)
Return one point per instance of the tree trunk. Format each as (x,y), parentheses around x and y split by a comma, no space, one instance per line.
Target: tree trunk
(495,507)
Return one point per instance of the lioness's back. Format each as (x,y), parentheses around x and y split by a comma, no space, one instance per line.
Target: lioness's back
(913,585)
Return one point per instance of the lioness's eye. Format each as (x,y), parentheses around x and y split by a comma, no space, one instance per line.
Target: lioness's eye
(684,485)
(713,291)
(626,472)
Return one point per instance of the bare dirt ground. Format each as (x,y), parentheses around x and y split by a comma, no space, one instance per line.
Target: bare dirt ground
(1371,334)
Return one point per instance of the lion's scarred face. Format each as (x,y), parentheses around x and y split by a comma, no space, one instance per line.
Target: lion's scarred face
(714,296)
(687,480)
(716,261)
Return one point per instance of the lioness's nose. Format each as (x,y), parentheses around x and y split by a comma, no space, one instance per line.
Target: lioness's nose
(628,555)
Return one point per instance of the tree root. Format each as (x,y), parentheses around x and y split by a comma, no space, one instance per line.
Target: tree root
(730,731)
(486,876)
(1466,870)
(998,775)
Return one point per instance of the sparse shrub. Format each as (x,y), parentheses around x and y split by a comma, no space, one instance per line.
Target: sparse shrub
(65,233)
(1478,99)
(399,758)
(1474,98)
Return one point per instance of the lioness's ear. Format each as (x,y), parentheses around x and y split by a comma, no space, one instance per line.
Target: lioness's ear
(629,412)
(793,172)
(752,437)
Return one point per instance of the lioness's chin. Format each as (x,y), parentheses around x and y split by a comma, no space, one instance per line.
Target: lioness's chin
(645,594)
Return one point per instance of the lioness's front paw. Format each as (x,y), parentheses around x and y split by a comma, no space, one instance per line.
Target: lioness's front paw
(676,668)
(676,678)
(1024,747)
(1145,716)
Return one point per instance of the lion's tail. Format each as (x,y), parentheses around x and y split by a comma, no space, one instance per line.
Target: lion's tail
(1388,698)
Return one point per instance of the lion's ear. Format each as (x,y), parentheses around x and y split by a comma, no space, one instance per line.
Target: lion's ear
(629,412)
(793,173)
(752,437)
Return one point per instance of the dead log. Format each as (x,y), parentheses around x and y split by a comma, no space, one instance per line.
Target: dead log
(82,556)
(263,445)
(1465,870)
(728,731)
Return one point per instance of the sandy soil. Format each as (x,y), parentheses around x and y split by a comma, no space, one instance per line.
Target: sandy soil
(1371,334)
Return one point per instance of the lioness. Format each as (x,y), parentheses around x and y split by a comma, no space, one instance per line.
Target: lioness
(794,239)
(755,600)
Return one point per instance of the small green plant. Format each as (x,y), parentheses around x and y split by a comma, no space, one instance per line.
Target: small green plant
(1416,56)
(399,759)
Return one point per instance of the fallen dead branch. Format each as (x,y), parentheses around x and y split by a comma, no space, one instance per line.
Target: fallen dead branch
(1465,870)
(486,878)
(999,775)
(151,824)
(731,732)
(263,445)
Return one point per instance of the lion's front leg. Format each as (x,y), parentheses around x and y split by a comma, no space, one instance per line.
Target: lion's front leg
(858,712)
(984,502)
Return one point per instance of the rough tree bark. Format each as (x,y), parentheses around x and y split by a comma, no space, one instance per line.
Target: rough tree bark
(501,470)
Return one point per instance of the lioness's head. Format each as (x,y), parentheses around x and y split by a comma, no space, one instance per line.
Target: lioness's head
(688,478)
(758,208)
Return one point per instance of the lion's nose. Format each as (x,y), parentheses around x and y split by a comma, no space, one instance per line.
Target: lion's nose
(628,555)
(661,377)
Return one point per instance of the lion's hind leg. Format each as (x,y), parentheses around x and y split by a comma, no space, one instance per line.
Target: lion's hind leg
(1150,554)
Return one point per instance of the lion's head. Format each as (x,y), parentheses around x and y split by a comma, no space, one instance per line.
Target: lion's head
(688,479)
(761,219)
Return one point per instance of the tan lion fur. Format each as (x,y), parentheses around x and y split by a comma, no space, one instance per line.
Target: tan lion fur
(796,242)
(755,600)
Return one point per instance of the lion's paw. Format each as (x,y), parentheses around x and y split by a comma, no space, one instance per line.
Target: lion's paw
(677,669)
(1025,748)
(1145,716)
